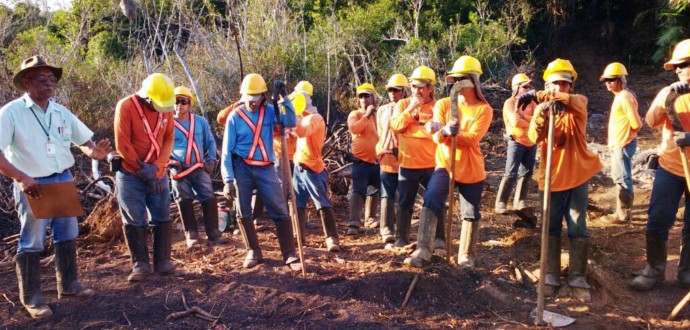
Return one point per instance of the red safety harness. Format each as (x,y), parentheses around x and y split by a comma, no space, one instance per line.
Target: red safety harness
(256,129)
(152,134)
(191,146)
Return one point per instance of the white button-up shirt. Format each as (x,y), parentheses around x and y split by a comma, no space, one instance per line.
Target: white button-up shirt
(24,141)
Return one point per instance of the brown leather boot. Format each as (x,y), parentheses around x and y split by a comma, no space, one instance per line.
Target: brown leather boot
(135,238)
(66,272)
(28,269)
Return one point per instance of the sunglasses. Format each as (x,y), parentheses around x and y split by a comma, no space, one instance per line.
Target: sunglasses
(182,102)
(44,80)
(395,90)
(526,86)
(610,79)
(683,65)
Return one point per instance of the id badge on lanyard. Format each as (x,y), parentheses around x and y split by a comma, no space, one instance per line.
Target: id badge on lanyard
(50,149)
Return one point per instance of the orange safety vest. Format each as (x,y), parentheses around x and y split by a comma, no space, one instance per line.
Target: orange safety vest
(256,129)
(152,134)
(191,145)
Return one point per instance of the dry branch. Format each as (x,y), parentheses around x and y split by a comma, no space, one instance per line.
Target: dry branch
(409,291)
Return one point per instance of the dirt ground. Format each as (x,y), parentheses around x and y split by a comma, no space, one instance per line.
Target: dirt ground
(364,285)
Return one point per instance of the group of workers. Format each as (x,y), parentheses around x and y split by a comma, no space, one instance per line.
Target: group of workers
(413,140)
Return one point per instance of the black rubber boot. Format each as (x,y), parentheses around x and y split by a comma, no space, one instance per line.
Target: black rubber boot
(354,225)
(286,240)
(162,247)
(28,268)
(504,190)
(655,270)
(387,220)
(440,237)
(469,235)
(329,229)
(135,238)
(191,231)
(684,263)
(210,210)
(404,221)
(427,229)
(66,271)
(372,205)
(302,218)
(552,278)
(251,242)
(521,192)
(577,270)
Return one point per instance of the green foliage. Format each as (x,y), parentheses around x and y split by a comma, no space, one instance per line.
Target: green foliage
(674,19)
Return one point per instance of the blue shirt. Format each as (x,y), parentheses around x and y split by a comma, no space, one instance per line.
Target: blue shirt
(26,131)
(239,138)
(203,138)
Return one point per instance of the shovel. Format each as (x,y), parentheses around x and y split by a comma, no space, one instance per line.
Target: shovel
(540,315)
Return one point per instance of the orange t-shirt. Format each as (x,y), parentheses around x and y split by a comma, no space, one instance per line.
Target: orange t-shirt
(624,122)
(669,153)
(388,140)
(278,143)
(572,163)
(311,132)
(517,121)
(133,143)
(416,148)
(474,123)
(364,136)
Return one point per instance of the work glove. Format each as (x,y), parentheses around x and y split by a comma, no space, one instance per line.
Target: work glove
(557,108)
(432,127)
(451,129)
(147,171)
(682,139)
(157,185)
(210,165)
(229,190)
(279,89)
(525,99)
(680,87)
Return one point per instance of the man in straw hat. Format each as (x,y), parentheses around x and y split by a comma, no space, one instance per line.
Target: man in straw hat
(35,138)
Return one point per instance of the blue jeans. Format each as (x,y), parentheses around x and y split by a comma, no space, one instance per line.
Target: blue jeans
(519,160)
(310,184)
(570,204)
(389,184)
(137,201)
(667,190)
(32,234)
(278,163)
(365,175)
(265,180)
(470,195)
(621,165)
(408,185)
(198,183)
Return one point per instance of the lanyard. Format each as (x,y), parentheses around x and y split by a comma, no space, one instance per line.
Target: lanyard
(40,123)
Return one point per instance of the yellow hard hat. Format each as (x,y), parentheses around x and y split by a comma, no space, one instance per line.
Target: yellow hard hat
(614,70)
(560,70)
(305,86)
(184,91)
(519,79)
(398,80)
(253,84)
(680,54)
(424,73)
(366,88)
(299,102)
(465,65)
(161,90)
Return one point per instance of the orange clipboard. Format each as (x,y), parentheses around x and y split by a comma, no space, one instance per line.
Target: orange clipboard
(57,200)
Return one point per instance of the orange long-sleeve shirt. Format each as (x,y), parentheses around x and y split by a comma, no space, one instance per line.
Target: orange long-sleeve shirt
(517,121)
(624,121)
(133,143)
(416,148)
(669,153)
(364,136)
(290,139)
(572,163)
(474,123)
(311,132)
(388,140)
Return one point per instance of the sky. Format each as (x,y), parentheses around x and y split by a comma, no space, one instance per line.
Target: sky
(51,4)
